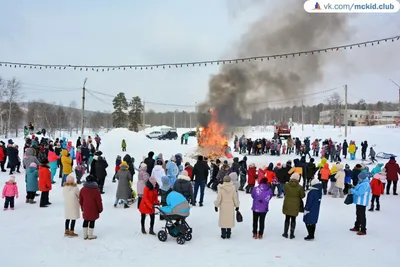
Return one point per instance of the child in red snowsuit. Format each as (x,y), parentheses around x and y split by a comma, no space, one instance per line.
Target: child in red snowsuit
(376,190)
(118,162)
(251,179)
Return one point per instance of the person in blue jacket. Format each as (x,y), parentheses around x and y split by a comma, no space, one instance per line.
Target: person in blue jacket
(361,196)
(347,179)
(176,205)
(311,209)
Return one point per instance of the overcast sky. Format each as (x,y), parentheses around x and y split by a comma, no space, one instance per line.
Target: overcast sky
(145,32)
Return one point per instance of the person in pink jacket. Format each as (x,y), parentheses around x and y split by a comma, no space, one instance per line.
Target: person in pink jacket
(78,156)
(10,191)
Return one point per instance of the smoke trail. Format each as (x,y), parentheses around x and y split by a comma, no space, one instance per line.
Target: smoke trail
(236,86)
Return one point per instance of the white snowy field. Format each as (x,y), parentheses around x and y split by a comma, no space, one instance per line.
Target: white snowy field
(32,236)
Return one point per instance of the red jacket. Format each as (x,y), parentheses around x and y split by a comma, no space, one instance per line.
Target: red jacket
(270,175)
(149,199)
(52,156)
(90,201)
(252,174)
(1,154)
(261,175)
(189,170)
(376,187)
(44,178)
(392,169)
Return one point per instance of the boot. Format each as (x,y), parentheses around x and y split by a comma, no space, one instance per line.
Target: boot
(90,234)
(223,233)
(372,208)
(126,206)
(292,228)
(285,231)
(255,236)
(151,231)
(85,233)
(311,230)
(31,201)
(228,233)
(72,234)
(143,230)
(27,201)
(378,207)
(66,233)
(260,236)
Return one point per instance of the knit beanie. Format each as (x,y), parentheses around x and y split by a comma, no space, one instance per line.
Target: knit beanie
(295,176)
(363,175)
(314,181)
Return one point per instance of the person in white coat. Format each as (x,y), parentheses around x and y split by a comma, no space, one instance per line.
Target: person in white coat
(227,202)
(339,185)
(158,172)
(71,206)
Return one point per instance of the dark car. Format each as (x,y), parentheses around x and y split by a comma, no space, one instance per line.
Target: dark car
(191,133)
(169,135)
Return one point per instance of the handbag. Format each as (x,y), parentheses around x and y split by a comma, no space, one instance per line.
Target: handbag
(239,217)
(301,208)
(349,199)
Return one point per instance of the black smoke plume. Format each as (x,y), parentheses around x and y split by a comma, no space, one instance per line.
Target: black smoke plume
(238,89)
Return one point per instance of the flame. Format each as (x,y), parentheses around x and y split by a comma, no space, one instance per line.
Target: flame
(212,139)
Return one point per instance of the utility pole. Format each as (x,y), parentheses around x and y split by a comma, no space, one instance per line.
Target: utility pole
(83,108)
(345,112)
(398,86)
(190,120)
(302,115)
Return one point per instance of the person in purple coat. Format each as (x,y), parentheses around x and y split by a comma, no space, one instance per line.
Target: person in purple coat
(261,195)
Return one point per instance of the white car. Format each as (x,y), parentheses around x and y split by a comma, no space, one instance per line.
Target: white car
(154,135)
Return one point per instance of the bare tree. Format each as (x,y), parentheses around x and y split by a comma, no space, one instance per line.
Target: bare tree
(74,116)
(12,94)
(334,102)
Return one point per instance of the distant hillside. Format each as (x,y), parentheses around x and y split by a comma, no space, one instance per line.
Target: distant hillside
(88,113)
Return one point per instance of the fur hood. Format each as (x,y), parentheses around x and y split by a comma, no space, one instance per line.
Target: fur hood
(183,177)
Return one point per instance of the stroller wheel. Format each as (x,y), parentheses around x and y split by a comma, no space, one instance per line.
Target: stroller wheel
(188,236)
(162,236)
(180,239)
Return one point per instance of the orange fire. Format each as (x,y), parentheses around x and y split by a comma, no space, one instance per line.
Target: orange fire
(212,139)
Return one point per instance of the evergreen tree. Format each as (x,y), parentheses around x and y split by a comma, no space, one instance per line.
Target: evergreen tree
(119,116)
(135,114)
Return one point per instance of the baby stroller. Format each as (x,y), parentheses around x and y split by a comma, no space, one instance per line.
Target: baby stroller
(177,210)
(130,200)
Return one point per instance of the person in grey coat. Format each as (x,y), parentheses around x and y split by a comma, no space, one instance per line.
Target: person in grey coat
(29,157)
(124,190)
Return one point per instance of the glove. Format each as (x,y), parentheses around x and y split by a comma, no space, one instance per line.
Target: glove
(216,209)
(237,209)
(306,212)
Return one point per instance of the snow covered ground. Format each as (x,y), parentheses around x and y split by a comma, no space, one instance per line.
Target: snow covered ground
(34,237)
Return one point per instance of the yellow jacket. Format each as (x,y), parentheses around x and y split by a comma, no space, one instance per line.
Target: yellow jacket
(352,148)
(66,162)
(334,169)
(322,163)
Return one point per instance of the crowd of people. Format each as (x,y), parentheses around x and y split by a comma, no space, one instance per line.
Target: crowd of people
(158,177)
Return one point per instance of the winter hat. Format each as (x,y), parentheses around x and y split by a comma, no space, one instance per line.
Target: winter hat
(227,179)
(225,162)
(383,171)
(119,157)
(185,173)
(315,181)
(153,180)
(143,165)
(217,161)
(362,175)
(233,176)
(70,179)
(10,142)
(33,165)
(279,165)
(312,160)
(284,165)
(200,158)
(12,179)
(160,156)
(90,178)
(187,164)
(124,164)
(295,176)
(377,176)
(347,166)
(165,183)
(159,162)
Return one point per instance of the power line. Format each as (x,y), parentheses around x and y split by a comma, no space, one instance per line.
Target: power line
(47,86)
(194,63)
(101,100)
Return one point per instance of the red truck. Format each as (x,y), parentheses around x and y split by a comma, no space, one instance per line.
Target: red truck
(282,130)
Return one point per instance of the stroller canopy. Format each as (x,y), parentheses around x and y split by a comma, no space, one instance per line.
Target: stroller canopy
(177,205)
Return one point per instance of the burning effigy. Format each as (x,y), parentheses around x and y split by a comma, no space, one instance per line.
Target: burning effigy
(212,140)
